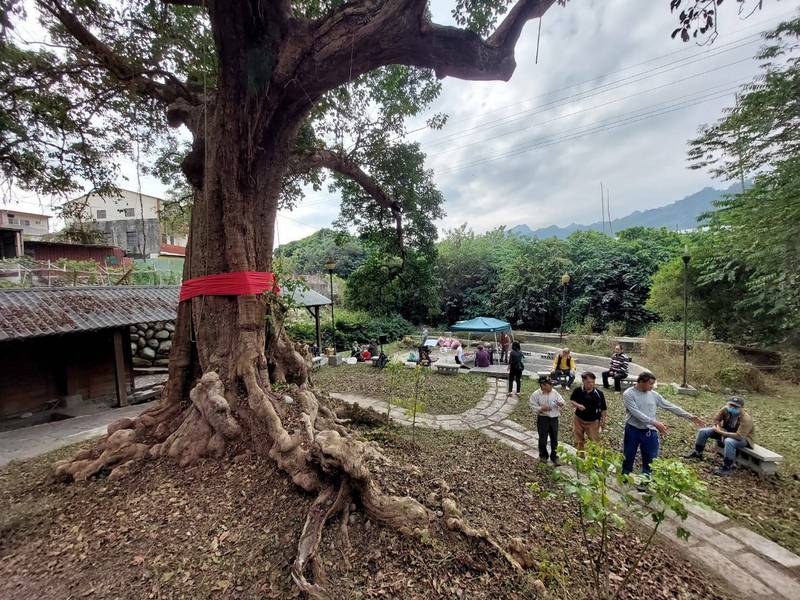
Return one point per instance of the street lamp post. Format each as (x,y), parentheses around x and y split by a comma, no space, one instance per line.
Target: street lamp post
(564,283)
(330,265)
(686,259)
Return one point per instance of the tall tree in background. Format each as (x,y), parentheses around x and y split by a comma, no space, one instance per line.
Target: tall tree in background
(753,240)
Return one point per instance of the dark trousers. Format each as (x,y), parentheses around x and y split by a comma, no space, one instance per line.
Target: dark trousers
(617,380)
(547,426)
(514,375)
(563,375)
(635,438)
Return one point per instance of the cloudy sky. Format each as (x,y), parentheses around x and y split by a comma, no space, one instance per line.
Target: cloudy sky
(613,98)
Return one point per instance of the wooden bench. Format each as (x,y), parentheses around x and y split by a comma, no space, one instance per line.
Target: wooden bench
(448,369)
(758,459)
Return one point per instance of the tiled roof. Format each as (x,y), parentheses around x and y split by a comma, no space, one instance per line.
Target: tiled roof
(34,312)
(173,249)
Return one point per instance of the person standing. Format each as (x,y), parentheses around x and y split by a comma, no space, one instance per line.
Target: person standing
(546,403)
(564,368)
(515,366)
(642,429)
(590,411)
(733,429)
(505,344)
(618,368)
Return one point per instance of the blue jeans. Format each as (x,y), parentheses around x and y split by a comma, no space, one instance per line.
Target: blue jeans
(730,444)
(634,438)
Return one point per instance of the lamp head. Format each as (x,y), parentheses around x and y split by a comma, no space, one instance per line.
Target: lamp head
(565,278)
(330,264)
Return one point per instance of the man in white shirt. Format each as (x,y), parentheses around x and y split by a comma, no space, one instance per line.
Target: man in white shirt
(546,403)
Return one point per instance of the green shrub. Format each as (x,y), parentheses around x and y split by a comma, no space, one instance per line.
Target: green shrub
(350,325)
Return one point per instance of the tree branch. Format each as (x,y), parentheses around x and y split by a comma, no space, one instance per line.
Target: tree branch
(342,164)
(360,37)
(117,65)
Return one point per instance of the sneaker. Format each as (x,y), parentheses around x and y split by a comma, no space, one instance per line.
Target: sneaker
(694,455)
(723,472)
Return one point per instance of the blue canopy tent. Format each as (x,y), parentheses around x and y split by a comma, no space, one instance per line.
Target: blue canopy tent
(482,325)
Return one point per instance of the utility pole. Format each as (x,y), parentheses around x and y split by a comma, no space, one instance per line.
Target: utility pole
(608,210)
(602,207)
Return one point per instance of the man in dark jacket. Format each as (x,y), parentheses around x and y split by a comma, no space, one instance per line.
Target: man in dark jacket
(590,411)
(618,369)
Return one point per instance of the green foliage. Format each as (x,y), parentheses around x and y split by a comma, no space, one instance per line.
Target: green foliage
(468,270)
(748,269)
(308,255)
(350,325)
(390,286)
(529,289)
(597,471)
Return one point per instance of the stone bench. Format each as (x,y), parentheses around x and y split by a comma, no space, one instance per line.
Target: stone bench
(548,356)
(448,369)
(318,361)
(758,459)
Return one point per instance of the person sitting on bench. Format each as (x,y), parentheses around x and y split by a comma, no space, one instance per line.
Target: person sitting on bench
(482,358)
(460,357)
(733,429)
(618,369)
(564,368)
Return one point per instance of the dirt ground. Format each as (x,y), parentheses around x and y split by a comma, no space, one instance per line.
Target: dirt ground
(229,530)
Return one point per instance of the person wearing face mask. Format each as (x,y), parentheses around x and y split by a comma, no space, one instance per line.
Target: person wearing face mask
(733,429)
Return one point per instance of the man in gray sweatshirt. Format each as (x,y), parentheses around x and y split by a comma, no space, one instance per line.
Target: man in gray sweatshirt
(641,426)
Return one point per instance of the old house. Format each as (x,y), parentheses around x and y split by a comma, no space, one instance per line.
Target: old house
(59,344)
(130,220)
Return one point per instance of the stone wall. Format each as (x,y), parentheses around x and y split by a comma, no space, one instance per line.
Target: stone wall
(151,343)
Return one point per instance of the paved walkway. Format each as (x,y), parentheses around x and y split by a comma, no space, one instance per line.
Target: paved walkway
(27,442)
(753,566)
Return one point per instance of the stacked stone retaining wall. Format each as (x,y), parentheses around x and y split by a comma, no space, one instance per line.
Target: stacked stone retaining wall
(151,343)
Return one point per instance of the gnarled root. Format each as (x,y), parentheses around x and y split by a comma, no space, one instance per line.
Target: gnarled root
(206,428)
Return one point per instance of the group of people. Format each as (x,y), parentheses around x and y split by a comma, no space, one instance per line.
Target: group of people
(363,352)
(733,428)
(565,369)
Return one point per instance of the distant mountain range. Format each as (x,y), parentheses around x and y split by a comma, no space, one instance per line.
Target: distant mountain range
(679,215)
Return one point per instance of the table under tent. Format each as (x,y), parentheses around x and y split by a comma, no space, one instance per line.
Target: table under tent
(481,325)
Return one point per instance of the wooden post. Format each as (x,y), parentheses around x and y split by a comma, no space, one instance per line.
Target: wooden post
(119,369)
(316,322)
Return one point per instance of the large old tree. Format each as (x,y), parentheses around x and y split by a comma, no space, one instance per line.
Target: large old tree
(246,79)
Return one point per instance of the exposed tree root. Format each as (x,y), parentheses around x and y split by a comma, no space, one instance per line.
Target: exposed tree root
(305,438)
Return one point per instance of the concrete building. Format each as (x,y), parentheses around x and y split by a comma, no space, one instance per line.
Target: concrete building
(33,225)
(129,220)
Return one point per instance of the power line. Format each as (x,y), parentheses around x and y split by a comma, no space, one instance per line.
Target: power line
(578,96)
(613,101)
(638,113)
(636,118)
(773,21)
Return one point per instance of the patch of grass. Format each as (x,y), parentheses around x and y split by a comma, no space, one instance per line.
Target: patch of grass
(768,505)
(444,394)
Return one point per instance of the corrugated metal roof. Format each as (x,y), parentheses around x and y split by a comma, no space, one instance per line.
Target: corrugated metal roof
(34,312)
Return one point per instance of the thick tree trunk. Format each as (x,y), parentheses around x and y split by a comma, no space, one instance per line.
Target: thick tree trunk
(219,399)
